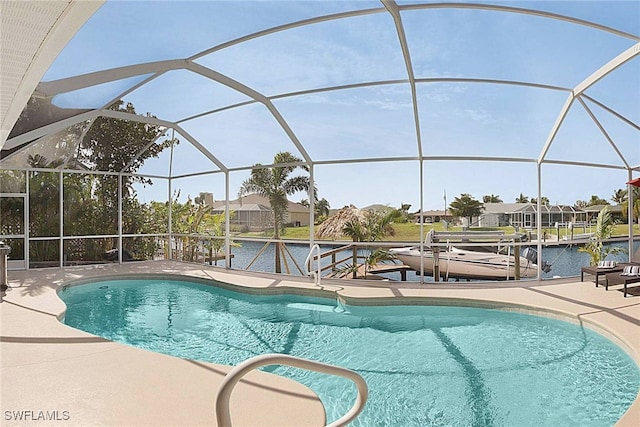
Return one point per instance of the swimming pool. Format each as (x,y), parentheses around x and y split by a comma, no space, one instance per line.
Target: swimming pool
(425,365)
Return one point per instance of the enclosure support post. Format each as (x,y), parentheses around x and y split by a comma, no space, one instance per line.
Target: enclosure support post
(516,257)
(436,260)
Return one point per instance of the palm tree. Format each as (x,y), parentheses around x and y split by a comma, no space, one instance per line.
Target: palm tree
(369,226)
(275,184)
(635,208)
(322,207)
(543,200)
(604,229)
(401,215)
(522,199)
(596,200)
(580,204)
(491,198)
(619,196)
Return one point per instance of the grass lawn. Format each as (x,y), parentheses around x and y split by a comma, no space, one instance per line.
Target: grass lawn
(410,232)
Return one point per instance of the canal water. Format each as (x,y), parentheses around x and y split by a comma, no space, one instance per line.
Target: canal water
(565,260)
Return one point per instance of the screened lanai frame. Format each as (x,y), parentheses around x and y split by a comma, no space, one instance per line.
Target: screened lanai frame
(576,97)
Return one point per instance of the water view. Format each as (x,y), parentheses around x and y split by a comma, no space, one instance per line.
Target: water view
(565,260)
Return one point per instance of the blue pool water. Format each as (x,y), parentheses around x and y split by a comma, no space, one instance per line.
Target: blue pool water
(425,365)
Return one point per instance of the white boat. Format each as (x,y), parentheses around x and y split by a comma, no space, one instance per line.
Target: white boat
(458,263)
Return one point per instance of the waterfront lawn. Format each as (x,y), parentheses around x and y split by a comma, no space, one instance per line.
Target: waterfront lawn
(410,232)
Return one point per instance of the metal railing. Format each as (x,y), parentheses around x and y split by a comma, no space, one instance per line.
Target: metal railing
(223,415)
(307,264)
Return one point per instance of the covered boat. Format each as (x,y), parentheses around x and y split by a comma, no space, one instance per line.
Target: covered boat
(458,263)
(463,263)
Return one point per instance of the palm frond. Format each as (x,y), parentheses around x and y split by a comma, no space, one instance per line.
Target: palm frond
(333,227)
(604,230)
(344,270)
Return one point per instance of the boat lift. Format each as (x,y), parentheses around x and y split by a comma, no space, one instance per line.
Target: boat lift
(474,239)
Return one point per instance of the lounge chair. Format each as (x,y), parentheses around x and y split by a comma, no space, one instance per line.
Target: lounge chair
(607,267)
(630,274)
(601,269)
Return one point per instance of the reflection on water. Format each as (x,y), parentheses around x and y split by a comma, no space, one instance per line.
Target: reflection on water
(565,260)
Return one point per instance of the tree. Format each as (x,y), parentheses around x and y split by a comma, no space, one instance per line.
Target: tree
(580,204)
(194,220)
(595,201)
(604,229)
(189,219)
(44,209)
(466,206)
(636,206)
(115,145)
(322,208)
(369,226)
(214,226)
(491,198)
(44,191)
(402,214)
(522,199)
(91,200)
(619,196)
(275,184)
(544,200)
(374,226)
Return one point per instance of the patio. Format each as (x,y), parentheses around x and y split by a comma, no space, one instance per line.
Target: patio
(47,366)
(388,100)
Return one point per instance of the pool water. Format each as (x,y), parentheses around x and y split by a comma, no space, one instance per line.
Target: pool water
(424,365)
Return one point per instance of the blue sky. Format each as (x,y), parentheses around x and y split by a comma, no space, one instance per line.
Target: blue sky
(456,118)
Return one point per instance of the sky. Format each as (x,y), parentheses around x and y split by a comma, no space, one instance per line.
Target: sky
(461,123)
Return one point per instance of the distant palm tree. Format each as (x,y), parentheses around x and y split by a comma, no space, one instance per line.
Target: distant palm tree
(595,201)
(619,196)
(275,184)
(543,200)
(522,199)
(322,207)
(635,208)
(491,198)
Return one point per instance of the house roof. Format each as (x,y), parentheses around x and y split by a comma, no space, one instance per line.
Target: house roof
(499,208)
(245,207)
(432,213)
(598,208)
(254,202)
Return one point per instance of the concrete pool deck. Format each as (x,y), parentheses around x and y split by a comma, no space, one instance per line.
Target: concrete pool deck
(51,370)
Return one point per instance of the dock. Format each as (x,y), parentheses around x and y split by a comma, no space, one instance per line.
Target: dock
(379,269)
